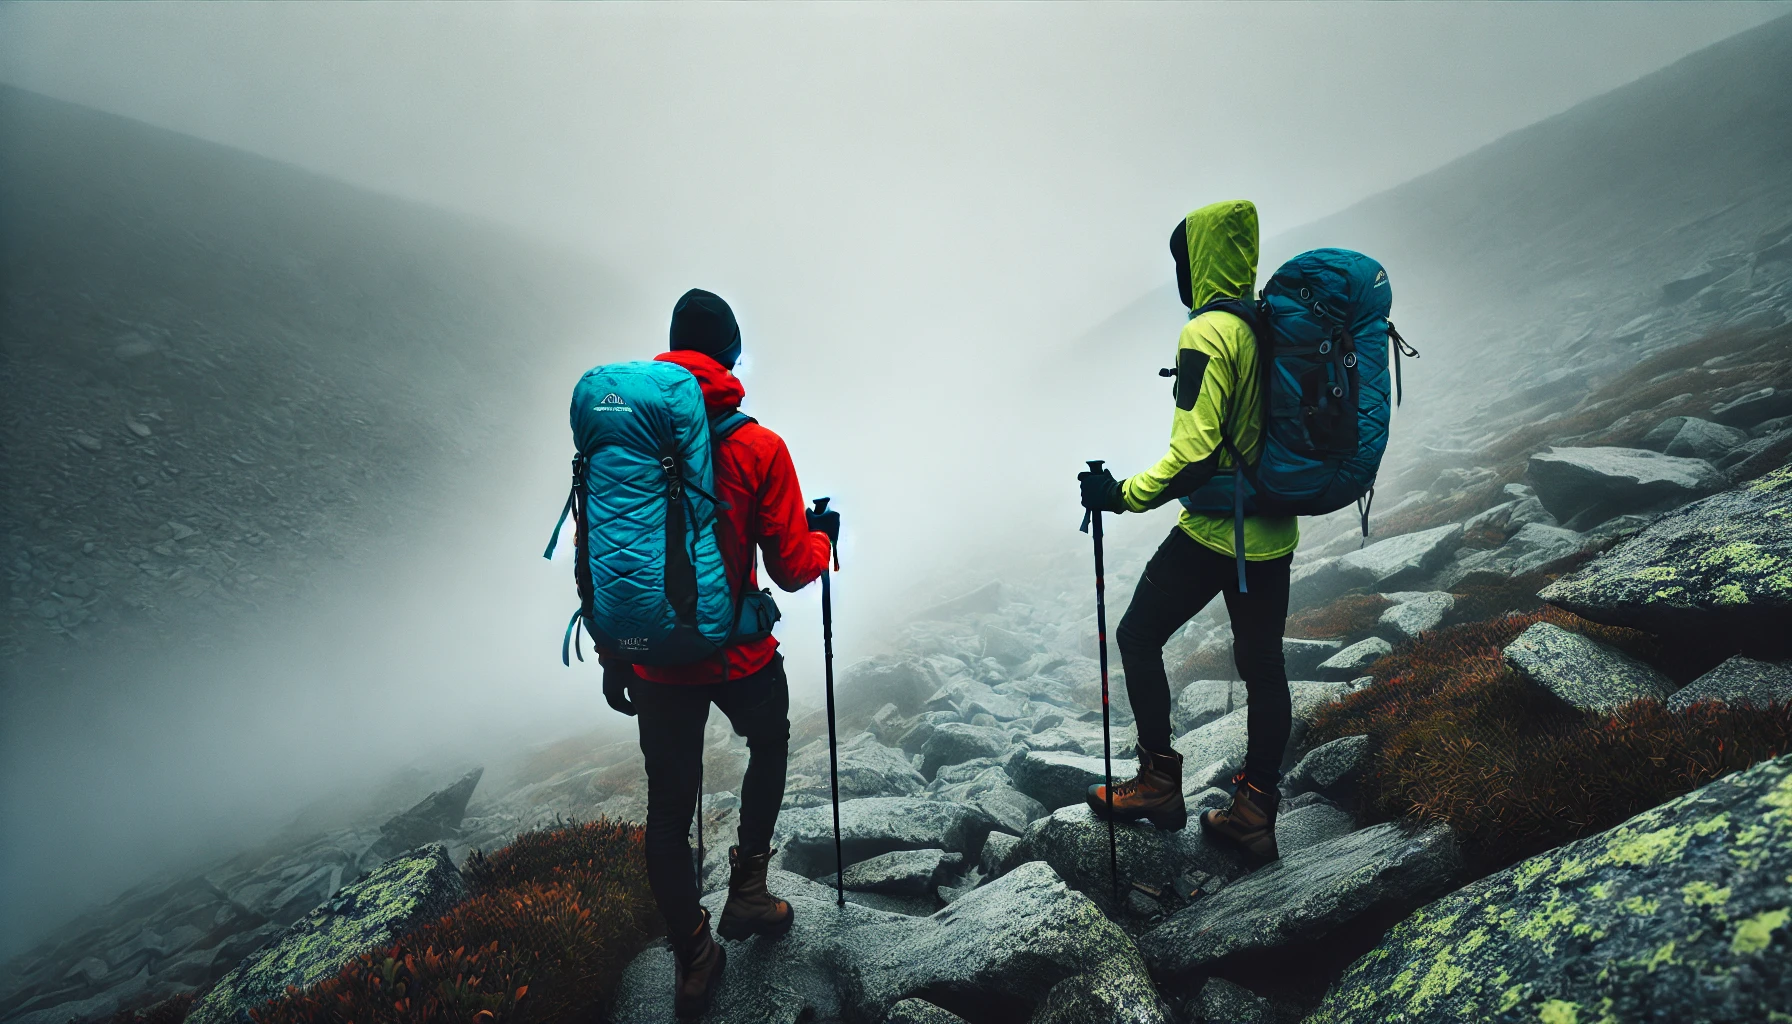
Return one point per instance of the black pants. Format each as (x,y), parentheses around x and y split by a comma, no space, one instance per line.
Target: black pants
(1178,582)
(671,718)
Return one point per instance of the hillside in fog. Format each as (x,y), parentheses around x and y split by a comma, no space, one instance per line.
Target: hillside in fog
(224,374)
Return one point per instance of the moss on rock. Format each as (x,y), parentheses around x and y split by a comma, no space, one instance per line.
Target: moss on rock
(1681,913)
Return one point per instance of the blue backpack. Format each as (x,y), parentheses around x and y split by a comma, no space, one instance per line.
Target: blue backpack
(652,586)
(1323,347)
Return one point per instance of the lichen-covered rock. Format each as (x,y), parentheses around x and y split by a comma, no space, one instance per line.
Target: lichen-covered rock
(1222,739)
(1583,487)
(1719,569)
(1415,612)
(902,872)
(1679,914)
(920,1011)
(1330,768)
(1534,546)
(1222,1002)
(875,825)
(1303,897)
(867,768)
(955,742)
(1582,672)
(1354,660)
(1058,779)
(997,953)
(406,891)
(1740,681)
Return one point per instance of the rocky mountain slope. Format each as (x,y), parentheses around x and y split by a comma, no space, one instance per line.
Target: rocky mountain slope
(222,373)
(1597,557)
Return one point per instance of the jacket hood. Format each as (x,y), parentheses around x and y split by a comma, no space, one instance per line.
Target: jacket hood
(1222,252)
(721,390)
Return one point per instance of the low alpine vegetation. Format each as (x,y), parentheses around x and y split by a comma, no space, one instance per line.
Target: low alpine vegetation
(1461,738)
(552,921)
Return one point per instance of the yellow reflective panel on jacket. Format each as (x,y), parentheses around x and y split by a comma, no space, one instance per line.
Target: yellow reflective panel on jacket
(1222,243)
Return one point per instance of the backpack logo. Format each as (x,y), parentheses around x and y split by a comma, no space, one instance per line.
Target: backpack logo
(1381,279)
(611,402)
(633,643)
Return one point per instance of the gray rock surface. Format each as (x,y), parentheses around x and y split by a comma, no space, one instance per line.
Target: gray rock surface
(956,742)
(1583,487)
(1303,897)
(1582,672)
(903,872)
(1075,843)
(986,598)
(1754,407)
(1719,570)
(406,891)
(876,825)
(1679,914)
(999,952)
(1007,646)
(1739,681)
(1301,658)
(1203,701)
(1415,612)
(991,791)
(867,768)
(1059,780)
(1703,439)
(436,816)
(1532,547)
(1308,826)
(1398,561)
(1330,768)
(1354,660)
(1221,740)
(901,679)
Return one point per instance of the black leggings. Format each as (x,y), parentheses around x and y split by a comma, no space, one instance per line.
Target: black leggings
(671,717)
(1178,582)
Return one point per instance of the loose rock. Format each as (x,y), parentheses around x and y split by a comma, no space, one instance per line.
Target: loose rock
(1583,487)
(1583,673)
(1739,681)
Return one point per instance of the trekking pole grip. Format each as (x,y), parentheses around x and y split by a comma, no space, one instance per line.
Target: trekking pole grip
(1094,467)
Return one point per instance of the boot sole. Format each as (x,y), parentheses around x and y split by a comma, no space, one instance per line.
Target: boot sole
(738,931)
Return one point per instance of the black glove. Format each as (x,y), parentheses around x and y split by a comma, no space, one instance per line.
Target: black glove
(616,683)
(1101,492)
(825,522)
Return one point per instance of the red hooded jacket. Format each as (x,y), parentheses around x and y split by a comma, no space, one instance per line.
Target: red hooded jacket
(757,480)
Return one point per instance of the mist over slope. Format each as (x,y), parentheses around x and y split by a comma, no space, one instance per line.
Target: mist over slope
(1552,259)
(240,399)
(223,373)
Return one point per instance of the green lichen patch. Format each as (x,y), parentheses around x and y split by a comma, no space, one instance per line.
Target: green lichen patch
(1670,916)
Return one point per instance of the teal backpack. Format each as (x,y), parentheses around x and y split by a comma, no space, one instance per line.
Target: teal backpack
(1324,348)
(652,586)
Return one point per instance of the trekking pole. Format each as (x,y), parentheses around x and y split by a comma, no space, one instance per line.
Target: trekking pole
(827,649)
(1101,640)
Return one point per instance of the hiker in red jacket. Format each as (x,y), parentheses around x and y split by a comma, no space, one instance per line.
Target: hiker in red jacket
(762,507)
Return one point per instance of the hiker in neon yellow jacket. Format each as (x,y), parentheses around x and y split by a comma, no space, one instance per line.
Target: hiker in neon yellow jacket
(1218,391)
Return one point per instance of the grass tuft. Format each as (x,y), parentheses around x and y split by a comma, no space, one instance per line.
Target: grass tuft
(551,922)
(1459,737)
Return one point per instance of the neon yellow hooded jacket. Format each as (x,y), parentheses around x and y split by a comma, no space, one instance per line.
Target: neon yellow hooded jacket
(1222,262)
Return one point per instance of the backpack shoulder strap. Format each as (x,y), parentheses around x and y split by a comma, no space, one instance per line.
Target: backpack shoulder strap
(720,427)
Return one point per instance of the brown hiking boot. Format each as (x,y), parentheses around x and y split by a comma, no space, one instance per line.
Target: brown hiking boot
(1250,820)
(697,971)
(751,910)
(1155,793)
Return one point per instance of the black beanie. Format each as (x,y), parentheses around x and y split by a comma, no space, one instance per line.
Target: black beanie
(702,322)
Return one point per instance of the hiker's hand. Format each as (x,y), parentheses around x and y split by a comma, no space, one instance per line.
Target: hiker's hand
(1101,492)
(616,682)
(825,522)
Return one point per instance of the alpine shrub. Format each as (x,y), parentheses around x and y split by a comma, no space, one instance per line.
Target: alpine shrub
(552,921)
(1349,615)
(1461,738)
